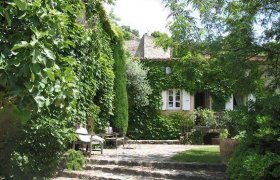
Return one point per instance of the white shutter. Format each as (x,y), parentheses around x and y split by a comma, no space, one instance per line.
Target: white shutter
(229,104)
(251,97)
(186,101)
(164,100)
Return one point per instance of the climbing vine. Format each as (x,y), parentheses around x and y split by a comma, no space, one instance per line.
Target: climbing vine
(57,67)
(197,74)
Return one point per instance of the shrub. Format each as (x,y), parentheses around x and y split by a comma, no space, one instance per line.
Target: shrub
(75,160)
(258,156)
(185,121)
(158,128)
(41,148)
(232,121)
(205,117)
(120,118)
(195,137)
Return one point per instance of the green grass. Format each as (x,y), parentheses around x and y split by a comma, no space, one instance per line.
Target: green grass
(202,155)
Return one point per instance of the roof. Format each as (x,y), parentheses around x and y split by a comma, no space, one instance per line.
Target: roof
(146,49)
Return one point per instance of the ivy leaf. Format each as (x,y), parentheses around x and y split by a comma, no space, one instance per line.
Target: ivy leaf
(8,18)
(69,60)
(21,4)
(22,44)
(40,100)
(49,54)
(50,74)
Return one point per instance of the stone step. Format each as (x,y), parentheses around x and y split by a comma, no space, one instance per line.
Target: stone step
(160,165)
(157,173)
(100,175)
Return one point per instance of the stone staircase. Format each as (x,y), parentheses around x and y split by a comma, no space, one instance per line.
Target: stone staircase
(115,169)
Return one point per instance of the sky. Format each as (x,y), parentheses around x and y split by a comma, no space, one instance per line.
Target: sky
(146,16)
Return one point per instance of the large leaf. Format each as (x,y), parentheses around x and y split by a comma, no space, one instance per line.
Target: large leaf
(22,44)
(50,74)
(21,4)
(49,53)
(40,100)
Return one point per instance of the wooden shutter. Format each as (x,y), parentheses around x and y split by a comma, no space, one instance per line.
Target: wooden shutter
(164,100)
(186,102)
(229,103)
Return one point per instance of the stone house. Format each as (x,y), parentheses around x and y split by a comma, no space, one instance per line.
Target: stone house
(176,99)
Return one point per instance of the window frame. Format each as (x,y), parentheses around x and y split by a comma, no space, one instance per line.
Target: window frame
(174,101)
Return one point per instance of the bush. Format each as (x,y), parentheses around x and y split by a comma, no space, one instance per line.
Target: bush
(158,128)
(10,133)
(185,121)
(232,121)
(40,150)
(195,137)
(258,156)
(75,160)
(205,117)
(247,163)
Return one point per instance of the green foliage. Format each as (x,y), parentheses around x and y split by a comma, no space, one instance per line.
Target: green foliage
(10,131)
(228,31)
(129,34)
(201,155)
(120,120)
(195,137)
(223,134)
(158,128)
(197,74)
(232,121)
(260,143)
(75,160)
(138,87)
(205,117)
(185,121)
(55,72)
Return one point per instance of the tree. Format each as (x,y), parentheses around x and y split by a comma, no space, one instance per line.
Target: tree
(129,33)
(138,87)
(229,30)
(234,32)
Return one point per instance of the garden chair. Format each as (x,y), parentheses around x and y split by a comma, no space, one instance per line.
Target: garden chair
(84,138)
(114,137)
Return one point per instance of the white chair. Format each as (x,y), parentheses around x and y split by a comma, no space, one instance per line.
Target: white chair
(84,138)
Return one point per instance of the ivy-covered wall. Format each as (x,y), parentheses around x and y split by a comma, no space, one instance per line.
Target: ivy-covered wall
(54,72)
(194,74)
(198,74)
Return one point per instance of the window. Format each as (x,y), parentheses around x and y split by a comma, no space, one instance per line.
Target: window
(174,99)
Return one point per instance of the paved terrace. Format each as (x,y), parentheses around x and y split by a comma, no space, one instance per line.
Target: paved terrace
(144,152)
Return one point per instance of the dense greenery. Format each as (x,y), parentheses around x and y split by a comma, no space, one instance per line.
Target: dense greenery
(234,32)
(229,30)
(194,74)
(258,156)
(75,160)
(120,119)
(56,68)
(129,33)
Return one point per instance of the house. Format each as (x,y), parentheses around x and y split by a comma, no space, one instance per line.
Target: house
(176,99)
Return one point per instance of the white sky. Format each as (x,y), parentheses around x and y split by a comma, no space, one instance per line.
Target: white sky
(146,16)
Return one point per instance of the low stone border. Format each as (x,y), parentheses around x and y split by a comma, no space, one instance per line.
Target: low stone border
(153,142)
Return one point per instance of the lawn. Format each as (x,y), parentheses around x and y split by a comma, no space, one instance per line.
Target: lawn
(202,155)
